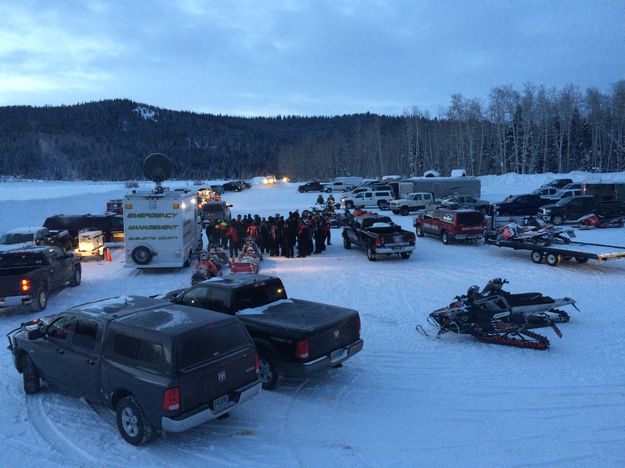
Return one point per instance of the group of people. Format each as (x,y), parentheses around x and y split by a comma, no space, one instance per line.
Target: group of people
(275,235)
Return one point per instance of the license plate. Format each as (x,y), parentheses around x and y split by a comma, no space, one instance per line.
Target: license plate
(221,402)
(338,354)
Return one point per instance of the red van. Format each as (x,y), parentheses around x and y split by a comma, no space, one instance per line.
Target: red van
(450,224)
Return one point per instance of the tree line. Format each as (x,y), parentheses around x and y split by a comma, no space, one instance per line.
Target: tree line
(528,131)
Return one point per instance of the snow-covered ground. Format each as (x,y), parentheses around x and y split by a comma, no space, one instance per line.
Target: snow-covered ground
(405,400)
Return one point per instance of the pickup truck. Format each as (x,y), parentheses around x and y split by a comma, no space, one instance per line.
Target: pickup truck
(159,366)
(368,199)
(111,225)
(451,224)
(34,235)
(520,205)
(314,186)
(28,275)
(295,338)
(572,209)
(415,201)
(378,235)
(465,201)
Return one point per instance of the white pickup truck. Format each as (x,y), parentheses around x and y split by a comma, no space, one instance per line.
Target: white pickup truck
(415,201)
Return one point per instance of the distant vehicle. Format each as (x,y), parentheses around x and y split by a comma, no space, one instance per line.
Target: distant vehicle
(131,184)
(366,188)
(545,191)
(604,190)
(158,365)
(451,224)
(441,187)
(413,202)
(338,187)
(369,199)
(565,193)
(520,205)
(458,173)
(90,244)
(218,210)
(269,180)
(18,238)
(218,189)
(465,201)
(294,338)
(314,186)
(231,187)
(354,181)
(378,235)
(115,206)
(572,209)
(559,183)
(29,275)
(573,186)
(111,225)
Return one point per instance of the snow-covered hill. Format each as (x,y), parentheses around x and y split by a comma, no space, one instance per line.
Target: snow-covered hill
(405,400)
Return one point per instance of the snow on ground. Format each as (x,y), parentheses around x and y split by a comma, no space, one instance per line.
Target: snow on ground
(405,400)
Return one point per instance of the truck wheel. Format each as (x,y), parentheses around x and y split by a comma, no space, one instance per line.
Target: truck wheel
(445,237)
(370,255)
(328,190)
(349,204)
(40,300)
(347,243)
(75,279)
(32,383)
(536,256)
(405,255)
(271,374)
(141,255)
(553,259)
(557,219)
(404,211)
(419,231)
(132,422)
(187,262)
(581,259)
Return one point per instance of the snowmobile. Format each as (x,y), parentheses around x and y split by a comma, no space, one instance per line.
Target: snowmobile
(534,233)
(497,316)
(218,256)
(205,269)
(249,259)
(592,221)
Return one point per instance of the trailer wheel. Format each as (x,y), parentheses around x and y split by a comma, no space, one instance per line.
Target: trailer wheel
(553,259)
(536,256)
(579,259)
(141,255)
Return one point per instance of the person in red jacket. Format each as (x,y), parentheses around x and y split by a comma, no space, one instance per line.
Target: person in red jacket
(233,240)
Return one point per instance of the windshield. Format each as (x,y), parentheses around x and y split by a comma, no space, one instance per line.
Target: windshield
(213,208)
(15,238)
(564,202)
(22,259)
(210,343)
(258,294)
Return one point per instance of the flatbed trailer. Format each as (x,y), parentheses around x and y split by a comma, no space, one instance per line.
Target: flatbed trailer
(554,253)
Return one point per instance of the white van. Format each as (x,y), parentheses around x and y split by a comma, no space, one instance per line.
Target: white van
(376,198)
(162,229)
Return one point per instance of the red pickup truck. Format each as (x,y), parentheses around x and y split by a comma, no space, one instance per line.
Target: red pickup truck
(450,224)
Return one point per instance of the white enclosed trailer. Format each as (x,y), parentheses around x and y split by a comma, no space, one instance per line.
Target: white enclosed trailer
(441,187)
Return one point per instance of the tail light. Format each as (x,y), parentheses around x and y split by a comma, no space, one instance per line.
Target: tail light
(257,364)
(25,285)
(378,242)
(171,399)
(302,349)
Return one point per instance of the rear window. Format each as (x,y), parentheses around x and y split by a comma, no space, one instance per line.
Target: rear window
(22,259)
(210,343)
(472,217)
(16,238)
(258,294)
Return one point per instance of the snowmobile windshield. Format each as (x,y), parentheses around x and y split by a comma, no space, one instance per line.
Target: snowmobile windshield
(10,239)
(470,217)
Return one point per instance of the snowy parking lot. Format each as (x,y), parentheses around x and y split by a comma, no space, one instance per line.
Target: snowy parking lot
(405,400)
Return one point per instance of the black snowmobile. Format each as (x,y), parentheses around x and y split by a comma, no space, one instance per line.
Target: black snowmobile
(497,316)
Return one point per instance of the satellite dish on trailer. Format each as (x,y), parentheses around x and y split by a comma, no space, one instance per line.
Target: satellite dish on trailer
(157,168)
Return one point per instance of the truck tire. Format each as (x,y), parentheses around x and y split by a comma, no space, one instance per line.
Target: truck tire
(536,256)
(579,259)
(132,423)
(553,259)
(370,255)
(349,204)
(347,243)
(405,255)
(271,374)
(76,277)
(141,255)
(404,210)
(328,190)
(557,219)
(445,237)
(32,382)
(187,262)
(419,231)
(39,301)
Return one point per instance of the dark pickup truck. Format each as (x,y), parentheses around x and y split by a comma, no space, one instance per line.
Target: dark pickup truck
(26,236)
(159,366)
(295,338)
(111,225)
(378,235)
(572,209)
(28,275)
(520,205)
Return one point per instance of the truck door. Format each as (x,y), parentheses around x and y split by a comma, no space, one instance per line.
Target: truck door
(51,352)
(58,274)
(82,360)
(369,200)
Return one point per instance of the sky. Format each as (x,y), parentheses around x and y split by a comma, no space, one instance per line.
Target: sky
(326,57)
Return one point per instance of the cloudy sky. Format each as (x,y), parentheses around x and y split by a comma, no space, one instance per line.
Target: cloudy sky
(302,57)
